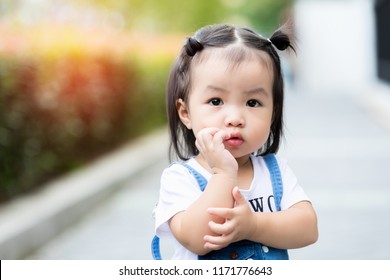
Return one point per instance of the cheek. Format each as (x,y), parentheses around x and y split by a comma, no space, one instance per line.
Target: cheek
(201,117)
(262,126)
(264,129)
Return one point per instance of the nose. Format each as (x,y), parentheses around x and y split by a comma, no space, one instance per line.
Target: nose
(234,117)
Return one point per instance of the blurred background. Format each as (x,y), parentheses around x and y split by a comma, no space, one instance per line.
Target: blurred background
(81,79)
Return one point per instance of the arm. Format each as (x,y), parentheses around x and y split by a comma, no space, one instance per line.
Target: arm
(295,227)
(190,226)
(291,228)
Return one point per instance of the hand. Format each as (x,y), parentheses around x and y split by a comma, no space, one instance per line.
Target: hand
(240,223)
(209,142)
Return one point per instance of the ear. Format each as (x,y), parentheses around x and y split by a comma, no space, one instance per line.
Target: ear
(183,113)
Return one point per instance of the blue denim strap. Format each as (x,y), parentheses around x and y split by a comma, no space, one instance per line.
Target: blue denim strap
(277,186)
(156,248)
(276,178)
(202,182)
(245,249)
(273,168)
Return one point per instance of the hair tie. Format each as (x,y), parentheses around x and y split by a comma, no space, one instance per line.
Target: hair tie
(280,41)
(193,46)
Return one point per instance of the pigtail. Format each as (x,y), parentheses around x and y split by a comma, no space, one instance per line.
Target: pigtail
(283,38)
(192,46)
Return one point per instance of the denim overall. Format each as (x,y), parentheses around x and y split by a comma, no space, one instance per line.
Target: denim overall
(243,249)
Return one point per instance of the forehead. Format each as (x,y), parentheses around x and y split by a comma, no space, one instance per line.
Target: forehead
(234,55)
(238,72)
(214,63)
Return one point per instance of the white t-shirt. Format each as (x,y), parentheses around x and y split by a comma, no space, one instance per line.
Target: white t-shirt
(179,189)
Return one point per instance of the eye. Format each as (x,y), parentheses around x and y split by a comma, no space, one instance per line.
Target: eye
(253,103)
(216,101)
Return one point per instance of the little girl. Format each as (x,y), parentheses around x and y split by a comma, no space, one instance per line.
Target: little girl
(231,198)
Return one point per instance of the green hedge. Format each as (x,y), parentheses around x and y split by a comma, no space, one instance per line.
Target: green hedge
(62,107)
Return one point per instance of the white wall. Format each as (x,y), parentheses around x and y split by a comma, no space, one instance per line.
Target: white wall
(336,46)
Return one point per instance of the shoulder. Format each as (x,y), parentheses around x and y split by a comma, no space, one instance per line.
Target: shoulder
(176,170)
(186,168)
(177,176)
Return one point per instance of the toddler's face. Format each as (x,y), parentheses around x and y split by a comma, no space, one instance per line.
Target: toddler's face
(234,98)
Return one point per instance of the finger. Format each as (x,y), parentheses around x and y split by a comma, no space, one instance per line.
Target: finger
(204,138)
(238,197)
(221,240)
(198,145)
(225,213)
(219,137)
(221,229)
(212,130)
(208,131)
(202,142)
(213,247)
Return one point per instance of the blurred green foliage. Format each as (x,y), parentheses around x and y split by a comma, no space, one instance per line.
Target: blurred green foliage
(65,100)
(190,15)
(56,113)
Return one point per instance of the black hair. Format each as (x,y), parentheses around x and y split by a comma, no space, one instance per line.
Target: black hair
(223,35)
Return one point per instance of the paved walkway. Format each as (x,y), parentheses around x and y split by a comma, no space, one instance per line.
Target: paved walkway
(119,228)
(337,148)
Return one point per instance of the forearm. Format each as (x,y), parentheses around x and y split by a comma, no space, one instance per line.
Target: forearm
(191,225)
(292,228)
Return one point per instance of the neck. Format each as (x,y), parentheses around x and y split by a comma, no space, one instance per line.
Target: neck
(244,162)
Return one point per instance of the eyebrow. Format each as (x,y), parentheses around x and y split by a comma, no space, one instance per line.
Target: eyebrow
(215,88)
(257,90)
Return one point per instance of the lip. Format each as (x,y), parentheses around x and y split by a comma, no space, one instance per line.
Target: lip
(234,140)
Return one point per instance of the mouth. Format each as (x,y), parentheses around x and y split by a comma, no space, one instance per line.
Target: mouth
(234,140)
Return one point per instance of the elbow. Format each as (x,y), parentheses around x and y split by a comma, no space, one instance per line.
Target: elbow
(189,237)
(313,237)
(312,233)
(196,247)
(195,244)
(308,237)
(311,227)
(307,233)
(201,251)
